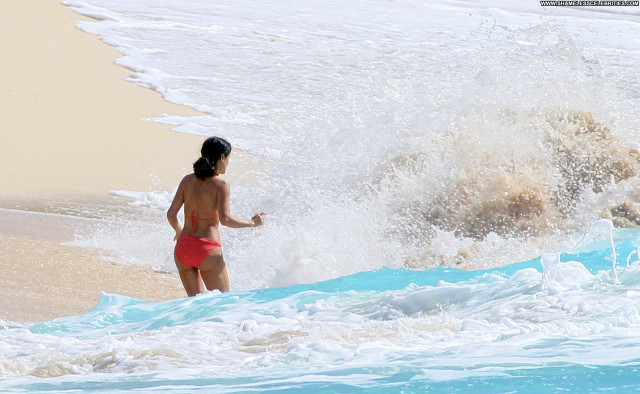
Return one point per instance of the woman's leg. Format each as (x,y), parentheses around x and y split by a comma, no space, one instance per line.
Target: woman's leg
(190,278)
(214,271)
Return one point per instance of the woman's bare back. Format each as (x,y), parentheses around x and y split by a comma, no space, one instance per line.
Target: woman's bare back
(200,207)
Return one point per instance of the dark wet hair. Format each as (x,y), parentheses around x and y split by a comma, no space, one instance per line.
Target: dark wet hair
(212,150)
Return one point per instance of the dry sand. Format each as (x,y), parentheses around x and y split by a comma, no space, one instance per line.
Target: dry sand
(71,126)
(73,129)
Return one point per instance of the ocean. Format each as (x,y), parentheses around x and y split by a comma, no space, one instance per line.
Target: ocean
(452,189)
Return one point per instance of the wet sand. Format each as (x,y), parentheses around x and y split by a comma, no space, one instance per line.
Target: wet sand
(72,130)
(44,280)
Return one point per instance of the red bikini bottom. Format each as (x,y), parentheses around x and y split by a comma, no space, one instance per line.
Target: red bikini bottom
(191,251)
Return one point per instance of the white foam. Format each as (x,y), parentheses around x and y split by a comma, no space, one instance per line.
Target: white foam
(92,11)
(494,321)
(155,200)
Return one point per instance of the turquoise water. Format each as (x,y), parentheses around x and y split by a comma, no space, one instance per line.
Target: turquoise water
(388,330)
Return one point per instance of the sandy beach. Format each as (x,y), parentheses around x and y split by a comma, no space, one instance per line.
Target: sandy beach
(73,129)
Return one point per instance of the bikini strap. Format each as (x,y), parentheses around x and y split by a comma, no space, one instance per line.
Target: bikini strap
(194,221)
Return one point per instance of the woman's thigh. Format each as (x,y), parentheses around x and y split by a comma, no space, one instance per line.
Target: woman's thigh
(190,278)
(214,271)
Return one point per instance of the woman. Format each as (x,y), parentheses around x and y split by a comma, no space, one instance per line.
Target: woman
(205,195)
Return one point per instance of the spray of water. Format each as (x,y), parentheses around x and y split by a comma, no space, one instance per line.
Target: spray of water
(494,162)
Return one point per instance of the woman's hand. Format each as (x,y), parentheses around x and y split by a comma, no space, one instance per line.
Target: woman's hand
(257,220)
(178,232)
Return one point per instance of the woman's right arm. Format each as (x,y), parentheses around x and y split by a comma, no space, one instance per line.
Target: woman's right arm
(172,213)
(224,210)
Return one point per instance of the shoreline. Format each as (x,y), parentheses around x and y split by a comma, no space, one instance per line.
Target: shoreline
(74,129)
(66,280)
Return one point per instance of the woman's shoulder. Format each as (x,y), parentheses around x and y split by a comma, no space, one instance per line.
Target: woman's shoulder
(219,182)
(189,178)
(192,179)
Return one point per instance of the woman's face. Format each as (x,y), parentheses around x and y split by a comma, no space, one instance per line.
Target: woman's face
(222,164)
